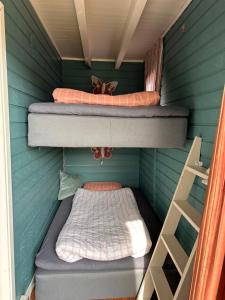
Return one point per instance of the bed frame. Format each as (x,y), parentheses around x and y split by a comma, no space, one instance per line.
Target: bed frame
(53,130)
(121,280)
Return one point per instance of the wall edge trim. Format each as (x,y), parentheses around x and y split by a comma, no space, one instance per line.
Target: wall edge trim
(29,290)
(184,6)
(102,59)
(7,270)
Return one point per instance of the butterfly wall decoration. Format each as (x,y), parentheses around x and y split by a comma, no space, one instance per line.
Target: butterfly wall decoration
(100,87)
(99,153)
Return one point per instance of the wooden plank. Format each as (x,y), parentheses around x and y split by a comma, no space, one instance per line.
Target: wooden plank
(147,288)
(183,57)
(118,299)
(189,212)
(22,50)
(199,171)
(132,21)
(160,282)
(40,78)
(82,24)
(105,71)
(32,296)
(123,167)
(197,23)
(7,269)
(167,243)
(180,12)
(22,18)
(111,299)
(17,82)
(34,69)
(176,252)
(24,14)
(182,291)
(159,255)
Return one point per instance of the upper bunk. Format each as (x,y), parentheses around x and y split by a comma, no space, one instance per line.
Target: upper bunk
(84,125)
(54,125)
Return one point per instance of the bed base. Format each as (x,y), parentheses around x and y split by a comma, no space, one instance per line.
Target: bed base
(51,130)
(86,286)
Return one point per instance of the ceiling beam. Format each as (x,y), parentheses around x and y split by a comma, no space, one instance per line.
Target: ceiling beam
(82,24)
(132,22)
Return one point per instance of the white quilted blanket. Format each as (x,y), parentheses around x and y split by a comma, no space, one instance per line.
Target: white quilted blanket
(103,225)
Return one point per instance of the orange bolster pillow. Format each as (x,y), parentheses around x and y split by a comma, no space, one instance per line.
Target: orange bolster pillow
(102,186)
(70,96)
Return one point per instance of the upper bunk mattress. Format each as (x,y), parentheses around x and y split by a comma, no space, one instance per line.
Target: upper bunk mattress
(108,111)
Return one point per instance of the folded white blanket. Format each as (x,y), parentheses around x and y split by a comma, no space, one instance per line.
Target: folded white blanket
(104,225)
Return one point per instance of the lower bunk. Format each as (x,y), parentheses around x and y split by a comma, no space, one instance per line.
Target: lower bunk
(89,279)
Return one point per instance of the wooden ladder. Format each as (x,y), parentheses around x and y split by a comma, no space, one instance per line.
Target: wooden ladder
(155,278)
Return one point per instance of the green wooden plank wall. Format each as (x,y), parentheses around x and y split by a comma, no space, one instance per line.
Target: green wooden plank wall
(124,165)
(34,69)
(147,174)
(77,75)
(193,76)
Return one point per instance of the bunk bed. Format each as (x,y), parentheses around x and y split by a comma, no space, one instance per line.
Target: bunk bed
(57,279)
(91,125)
(84,125)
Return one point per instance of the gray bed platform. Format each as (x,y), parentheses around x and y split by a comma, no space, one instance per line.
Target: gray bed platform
(63,125)
(89,279)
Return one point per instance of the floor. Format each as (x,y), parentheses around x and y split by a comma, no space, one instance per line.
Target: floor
(32,297)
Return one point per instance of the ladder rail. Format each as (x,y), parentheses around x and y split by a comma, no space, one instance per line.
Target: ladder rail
(167,243)
(183,291)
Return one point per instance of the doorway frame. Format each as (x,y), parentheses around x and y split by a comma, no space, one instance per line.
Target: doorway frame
(7,270)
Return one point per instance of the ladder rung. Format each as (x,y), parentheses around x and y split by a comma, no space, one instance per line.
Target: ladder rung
(161,284)
(197,170)
(176,251)
(189,212)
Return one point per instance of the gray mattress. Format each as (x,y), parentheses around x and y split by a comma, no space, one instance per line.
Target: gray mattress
(48,260)
(108,111)
(88,279)
(63,125)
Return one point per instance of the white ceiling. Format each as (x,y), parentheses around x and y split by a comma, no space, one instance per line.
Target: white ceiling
(106,22)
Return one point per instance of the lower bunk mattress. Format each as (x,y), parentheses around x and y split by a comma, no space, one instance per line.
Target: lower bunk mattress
(89,279)
(74,125)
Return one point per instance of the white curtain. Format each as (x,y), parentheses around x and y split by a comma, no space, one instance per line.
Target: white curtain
(153,67)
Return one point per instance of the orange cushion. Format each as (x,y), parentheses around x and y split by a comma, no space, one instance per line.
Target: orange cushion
(102,186)
(70,96)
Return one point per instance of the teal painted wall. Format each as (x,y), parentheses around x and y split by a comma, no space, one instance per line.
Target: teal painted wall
(124,165)
(34,69)
(78,76)
(147,174)
(193,76)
